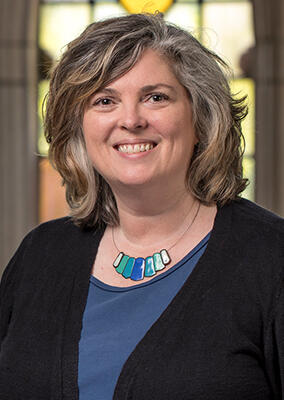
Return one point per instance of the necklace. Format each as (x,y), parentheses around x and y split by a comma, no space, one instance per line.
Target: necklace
(138,268)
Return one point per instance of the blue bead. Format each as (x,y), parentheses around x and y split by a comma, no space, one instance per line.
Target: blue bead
(128,268)
(138,269)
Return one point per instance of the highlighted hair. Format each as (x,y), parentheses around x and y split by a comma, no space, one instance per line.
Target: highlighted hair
(104,52)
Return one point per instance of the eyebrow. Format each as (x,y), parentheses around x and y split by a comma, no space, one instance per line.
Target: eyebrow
(149,88)
(144,89)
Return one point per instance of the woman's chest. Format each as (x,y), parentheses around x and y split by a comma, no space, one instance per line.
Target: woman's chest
(210,351)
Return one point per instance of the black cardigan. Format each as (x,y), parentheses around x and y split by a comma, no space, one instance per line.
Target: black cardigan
(222,336)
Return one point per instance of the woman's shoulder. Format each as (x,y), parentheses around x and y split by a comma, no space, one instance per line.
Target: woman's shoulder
(252,238)
(53,240)
(256,240)
(46,234)
(250,219)
(61,230)
(250,229)
(54,228)
(256,214)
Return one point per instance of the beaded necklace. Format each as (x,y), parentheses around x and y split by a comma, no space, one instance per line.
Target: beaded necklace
(138,268)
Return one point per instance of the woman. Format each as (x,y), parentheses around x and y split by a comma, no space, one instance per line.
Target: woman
(163,283)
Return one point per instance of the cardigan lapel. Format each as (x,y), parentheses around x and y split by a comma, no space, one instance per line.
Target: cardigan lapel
(83,249)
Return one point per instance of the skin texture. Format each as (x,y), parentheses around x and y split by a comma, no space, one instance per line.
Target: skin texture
(129,112)
(145,105)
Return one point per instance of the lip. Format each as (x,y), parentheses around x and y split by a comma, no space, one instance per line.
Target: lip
(135,155)
(134,141)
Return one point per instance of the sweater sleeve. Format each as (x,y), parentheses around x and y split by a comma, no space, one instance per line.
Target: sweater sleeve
(8,284)
(279,340)
(274,347)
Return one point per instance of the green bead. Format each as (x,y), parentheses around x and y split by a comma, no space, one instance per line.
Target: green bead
(128,268)
(122,264)
(158,262)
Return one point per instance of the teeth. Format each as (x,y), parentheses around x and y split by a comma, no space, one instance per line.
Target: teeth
(130,149)
(136,148)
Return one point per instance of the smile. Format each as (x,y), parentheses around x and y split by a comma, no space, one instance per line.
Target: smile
(135,148)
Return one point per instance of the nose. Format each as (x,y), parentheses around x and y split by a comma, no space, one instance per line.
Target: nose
(132,118)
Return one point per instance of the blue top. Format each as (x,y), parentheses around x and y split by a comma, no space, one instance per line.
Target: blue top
(117,318)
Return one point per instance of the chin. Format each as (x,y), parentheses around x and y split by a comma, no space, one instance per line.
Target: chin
(135,182)
(132,181)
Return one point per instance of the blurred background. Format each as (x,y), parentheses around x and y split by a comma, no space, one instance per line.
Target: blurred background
(247,34)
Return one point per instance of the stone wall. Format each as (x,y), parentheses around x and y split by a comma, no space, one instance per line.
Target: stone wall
(18,122)
(269,76)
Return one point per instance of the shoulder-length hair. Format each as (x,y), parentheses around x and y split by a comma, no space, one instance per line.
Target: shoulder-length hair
(102,53)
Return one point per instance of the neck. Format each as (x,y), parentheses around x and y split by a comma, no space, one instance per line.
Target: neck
(153,218)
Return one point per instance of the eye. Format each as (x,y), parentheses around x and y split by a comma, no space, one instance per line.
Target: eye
(103,101)
(158,97)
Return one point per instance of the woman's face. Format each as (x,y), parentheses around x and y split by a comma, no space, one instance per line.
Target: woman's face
(138,130)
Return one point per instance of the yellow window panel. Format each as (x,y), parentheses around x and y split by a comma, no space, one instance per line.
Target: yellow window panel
(150,6)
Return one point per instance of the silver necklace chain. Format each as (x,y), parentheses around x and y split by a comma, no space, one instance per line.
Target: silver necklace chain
(182,235)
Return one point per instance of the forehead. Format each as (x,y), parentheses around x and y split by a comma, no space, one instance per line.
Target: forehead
(150,69)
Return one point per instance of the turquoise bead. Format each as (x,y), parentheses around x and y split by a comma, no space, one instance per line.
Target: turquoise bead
(137,268)
(128,268)
(158,262)
(149,267)
(122,264)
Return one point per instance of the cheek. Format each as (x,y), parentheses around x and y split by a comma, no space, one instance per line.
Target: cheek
(97,130)
(91,135)
(86,125)
(180,133)
(178,124)
(89,144)
(90,139)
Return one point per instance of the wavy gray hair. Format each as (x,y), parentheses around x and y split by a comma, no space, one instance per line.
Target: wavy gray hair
(102,53)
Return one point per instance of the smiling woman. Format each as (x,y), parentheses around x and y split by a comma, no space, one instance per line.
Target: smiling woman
(142,133)
(215,173)
(163,283)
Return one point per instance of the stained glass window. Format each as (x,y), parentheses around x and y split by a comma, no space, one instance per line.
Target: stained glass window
(224,26)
